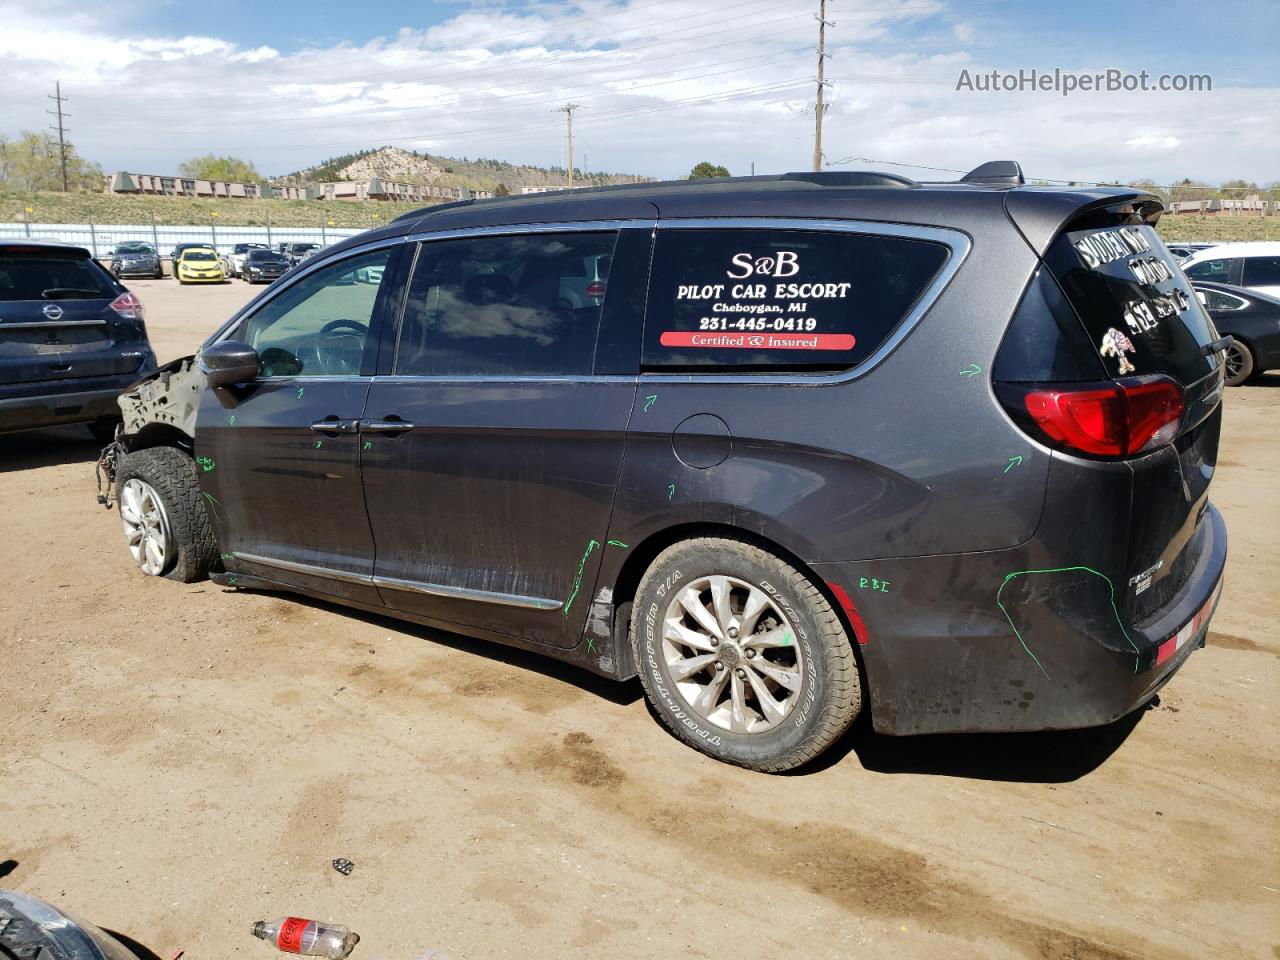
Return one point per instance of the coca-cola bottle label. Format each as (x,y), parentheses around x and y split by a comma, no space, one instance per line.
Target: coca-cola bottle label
(291,931)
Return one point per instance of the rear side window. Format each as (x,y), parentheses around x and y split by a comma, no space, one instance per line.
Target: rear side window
(779,299)
(40,277)
(1261,272)
(1137,309)
(524,305)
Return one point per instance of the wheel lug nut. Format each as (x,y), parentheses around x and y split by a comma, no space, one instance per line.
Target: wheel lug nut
(742,674)
(719,666)
(733,633)
(750,652)
(715,642)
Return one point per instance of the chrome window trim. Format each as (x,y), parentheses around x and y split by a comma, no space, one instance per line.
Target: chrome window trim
(464,593)
(957,242)
(518,229)
(407,586)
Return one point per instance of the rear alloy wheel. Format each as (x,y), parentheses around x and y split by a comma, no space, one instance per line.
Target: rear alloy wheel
(742,656)
(165,522)
(1239,363)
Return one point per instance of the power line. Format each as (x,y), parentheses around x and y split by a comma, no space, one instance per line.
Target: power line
(58,98)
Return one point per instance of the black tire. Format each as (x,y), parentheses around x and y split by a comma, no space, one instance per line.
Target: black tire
(829,695)
(190,549)
(1240,363)
(104,429)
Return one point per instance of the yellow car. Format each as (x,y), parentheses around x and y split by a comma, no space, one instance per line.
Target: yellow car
(199,265)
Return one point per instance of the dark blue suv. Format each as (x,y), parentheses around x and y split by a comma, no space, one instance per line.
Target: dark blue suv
(818,443)
(71,338)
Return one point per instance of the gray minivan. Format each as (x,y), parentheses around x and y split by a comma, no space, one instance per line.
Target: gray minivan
(824,442)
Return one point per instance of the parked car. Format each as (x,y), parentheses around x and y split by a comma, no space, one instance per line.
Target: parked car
(263,266)
(235,260)
(297,252)
(1252,320)
(36,929)
(176,255)
(199,265)
(71,338)
(136,260)
(586,287)
(1255,265)
(826,455)
(1184,250)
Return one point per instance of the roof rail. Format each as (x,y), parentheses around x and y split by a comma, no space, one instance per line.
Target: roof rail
(996,173)
(851,178)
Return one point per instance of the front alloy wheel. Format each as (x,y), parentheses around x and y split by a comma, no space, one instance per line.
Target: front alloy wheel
(146,526)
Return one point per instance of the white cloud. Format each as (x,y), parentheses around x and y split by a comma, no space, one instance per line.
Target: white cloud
(662,87)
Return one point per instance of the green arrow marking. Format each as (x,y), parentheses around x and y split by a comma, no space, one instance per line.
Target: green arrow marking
(577,580)
(1013,462)
(972,370)
(671,491)
(617,543)
(300,391)
(649,401)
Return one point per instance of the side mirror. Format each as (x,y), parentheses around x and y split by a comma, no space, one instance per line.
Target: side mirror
(228,362)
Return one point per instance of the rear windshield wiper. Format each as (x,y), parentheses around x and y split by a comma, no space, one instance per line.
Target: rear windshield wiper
(62,293)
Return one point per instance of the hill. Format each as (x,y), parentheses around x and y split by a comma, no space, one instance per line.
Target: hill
(409,166)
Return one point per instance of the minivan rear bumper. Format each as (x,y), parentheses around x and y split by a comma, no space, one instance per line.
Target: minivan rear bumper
(945,650)
(26,406)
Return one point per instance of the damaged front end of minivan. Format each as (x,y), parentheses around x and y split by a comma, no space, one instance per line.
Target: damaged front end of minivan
(158,410)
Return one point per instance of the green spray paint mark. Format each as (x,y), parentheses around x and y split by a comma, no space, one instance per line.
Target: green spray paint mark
(233,580)
(206,464)
(577,580)
(1013,462)
(591,645)
(972,370)
(649,401)
(319,443)
(228,556)
(300,392)
(671,491)
(1084,569)
(368,445)
(231,420)
(617,543)
(786,640)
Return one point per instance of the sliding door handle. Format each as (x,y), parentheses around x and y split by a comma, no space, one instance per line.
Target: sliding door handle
(333,424)
(388,425)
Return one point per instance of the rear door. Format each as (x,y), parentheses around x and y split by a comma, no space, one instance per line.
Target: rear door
(1262,274)
(280,457)
(56,320)
(1144,321)
(493,445)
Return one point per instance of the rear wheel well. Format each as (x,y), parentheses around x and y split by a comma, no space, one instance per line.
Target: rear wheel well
(642,555)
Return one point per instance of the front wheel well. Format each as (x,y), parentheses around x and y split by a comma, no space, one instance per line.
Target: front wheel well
(160,435)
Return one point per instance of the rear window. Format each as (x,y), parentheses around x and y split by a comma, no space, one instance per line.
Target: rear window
(1137,309)
(41,277)
(1219,271)
(1261,272)
(780,299)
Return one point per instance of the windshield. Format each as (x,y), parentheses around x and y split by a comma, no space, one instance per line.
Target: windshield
(257,256)
(199,255)
(134,248)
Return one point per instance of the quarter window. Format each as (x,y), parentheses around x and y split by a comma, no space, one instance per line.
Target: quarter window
(1261,272)
(1218,301)
(780,299)
(319,326)
(505,306)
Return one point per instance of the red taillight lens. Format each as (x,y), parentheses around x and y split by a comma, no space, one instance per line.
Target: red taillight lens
(1114,420)
(595,289)
(128,306)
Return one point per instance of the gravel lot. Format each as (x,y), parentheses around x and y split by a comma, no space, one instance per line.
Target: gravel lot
(179,761)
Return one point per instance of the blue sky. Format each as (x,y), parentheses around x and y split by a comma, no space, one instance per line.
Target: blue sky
(663,83)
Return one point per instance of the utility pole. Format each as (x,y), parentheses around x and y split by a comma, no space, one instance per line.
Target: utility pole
(567,110)
(58,98)
(819,107)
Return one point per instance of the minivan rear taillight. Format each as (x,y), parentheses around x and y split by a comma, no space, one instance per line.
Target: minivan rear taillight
(1115,419)
(595,289)
(128,306)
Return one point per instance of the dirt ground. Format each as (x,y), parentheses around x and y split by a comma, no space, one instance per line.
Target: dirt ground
(179,761)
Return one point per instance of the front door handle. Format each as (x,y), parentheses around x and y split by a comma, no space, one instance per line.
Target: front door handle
(333,424)
(390,424)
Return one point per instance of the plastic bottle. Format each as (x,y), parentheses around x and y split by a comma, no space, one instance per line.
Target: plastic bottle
(300,935)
